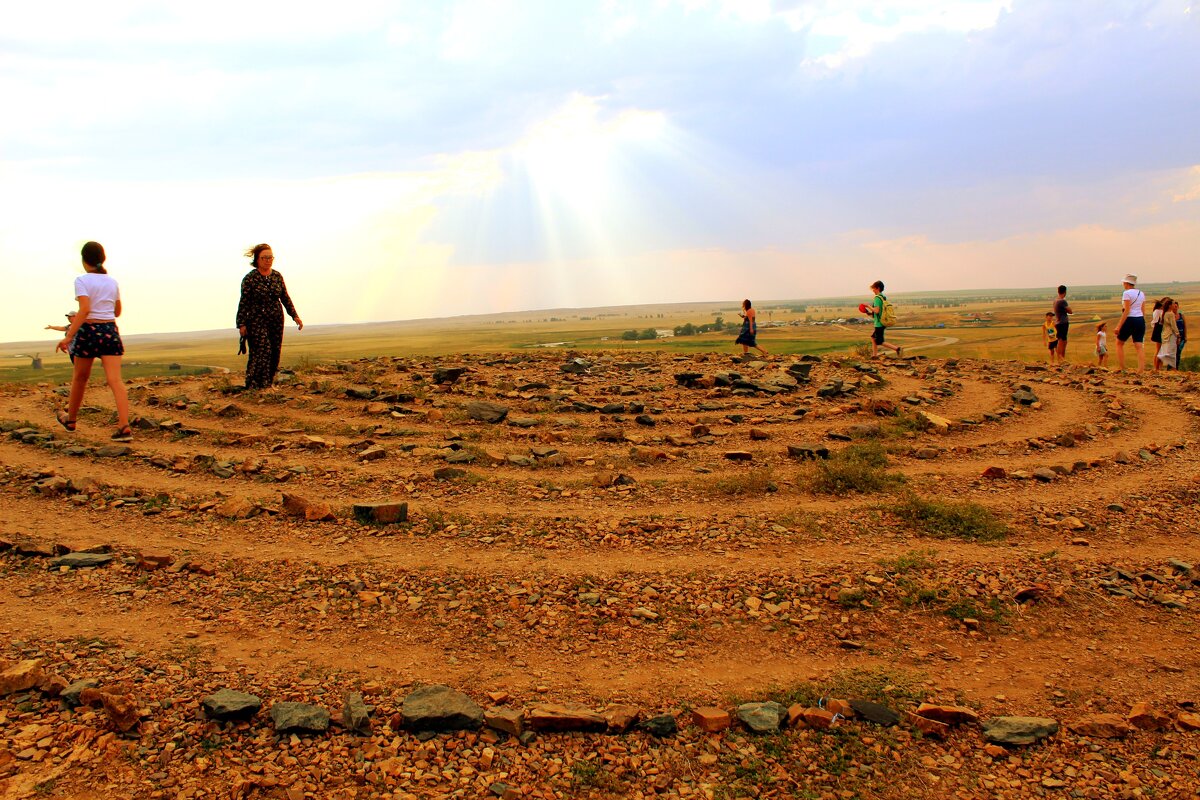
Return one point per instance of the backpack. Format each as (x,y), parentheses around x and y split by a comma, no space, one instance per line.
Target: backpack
(887,314)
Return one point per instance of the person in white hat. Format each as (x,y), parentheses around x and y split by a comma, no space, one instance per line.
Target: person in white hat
(1133,322)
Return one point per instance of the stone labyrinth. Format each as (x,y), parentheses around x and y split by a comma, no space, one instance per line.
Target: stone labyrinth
(585,575)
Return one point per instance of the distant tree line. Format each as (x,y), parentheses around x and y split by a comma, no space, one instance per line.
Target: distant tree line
(718,324)
(634,336)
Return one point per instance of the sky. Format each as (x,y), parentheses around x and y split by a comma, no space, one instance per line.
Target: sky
(414,159)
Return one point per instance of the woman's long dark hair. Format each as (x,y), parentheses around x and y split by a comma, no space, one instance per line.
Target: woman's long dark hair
(93,255)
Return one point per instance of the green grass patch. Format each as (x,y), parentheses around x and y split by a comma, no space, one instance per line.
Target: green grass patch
(911,561)
(951,519)
(858,468)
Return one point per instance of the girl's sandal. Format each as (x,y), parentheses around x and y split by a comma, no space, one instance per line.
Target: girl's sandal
(123,435)
(63,420)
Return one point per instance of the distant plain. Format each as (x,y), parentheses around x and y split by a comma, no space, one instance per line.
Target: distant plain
(996,324)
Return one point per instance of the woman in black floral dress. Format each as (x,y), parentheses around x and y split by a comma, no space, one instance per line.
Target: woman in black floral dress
(260,317)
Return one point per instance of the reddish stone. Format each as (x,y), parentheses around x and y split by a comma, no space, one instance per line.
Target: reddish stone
(818,718)
(121,708)
(841,707)
(620,718)
(948,715)
(1103,726)
(152,561)
(564,717)
(996,473)
(21,676)
(928,727)
(711,720)
(1146,717)
(1188,721)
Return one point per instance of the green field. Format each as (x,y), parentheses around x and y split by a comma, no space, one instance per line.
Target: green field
(997,324)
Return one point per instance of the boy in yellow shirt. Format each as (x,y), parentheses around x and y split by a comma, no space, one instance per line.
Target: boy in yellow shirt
(1050,335)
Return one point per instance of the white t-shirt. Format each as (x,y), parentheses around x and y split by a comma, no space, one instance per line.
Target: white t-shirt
(1101,339)
(1135,297)
(102,291)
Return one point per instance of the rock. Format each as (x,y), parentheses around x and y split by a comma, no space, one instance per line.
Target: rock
(449,473)
(761,717)
(113,451)
(950,715)
(361,392)
(564,717)
(236,508)
(661,725)
(313,511)
(1146,717)
(299,718)
(867,430)
(440,708)
(313,443)
(388,512)
(620,718)
(1102,726)
(1024,396)
(1121,457)
(816,718)
(1045,475)
(21,676)
(372,454)
(874,712)
(524,422)
(738,455)
(80,560)
(927,453)
(70,695)
(927,726)
(1188,721)
(933,422)
(121,709)
(448,375)
(808,452)
(612,408)
(995,473)
(710,719)
(355,714)
(229,704)
(486,412)
(52,486)
(576,366)
(508,720)
(150,562)
(1019,730)
(610,435)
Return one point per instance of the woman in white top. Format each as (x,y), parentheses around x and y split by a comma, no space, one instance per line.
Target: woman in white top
(1169,348)
(93,334)
(1133,322)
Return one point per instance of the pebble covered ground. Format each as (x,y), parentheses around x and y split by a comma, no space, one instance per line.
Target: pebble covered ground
(675,576)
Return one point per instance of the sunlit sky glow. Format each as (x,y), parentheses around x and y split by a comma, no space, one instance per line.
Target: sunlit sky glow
(415,159)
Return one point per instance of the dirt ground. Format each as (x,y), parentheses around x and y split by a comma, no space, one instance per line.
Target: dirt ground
(671,551)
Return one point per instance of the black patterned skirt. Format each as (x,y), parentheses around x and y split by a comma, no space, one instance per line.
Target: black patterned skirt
(96,339)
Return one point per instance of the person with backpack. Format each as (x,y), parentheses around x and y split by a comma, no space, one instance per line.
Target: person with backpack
(884,315)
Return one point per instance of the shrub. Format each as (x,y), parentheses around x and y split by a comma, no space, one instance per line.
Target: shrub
(951,519)
(857,468)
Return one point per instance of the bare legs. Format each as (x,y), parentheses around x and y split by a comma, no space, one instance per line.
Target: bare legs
(1141,355)
(112,375)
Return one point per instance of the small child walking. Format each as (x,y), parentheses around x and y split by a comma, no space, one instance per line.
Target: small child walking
(1102,343)
(1050,335)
